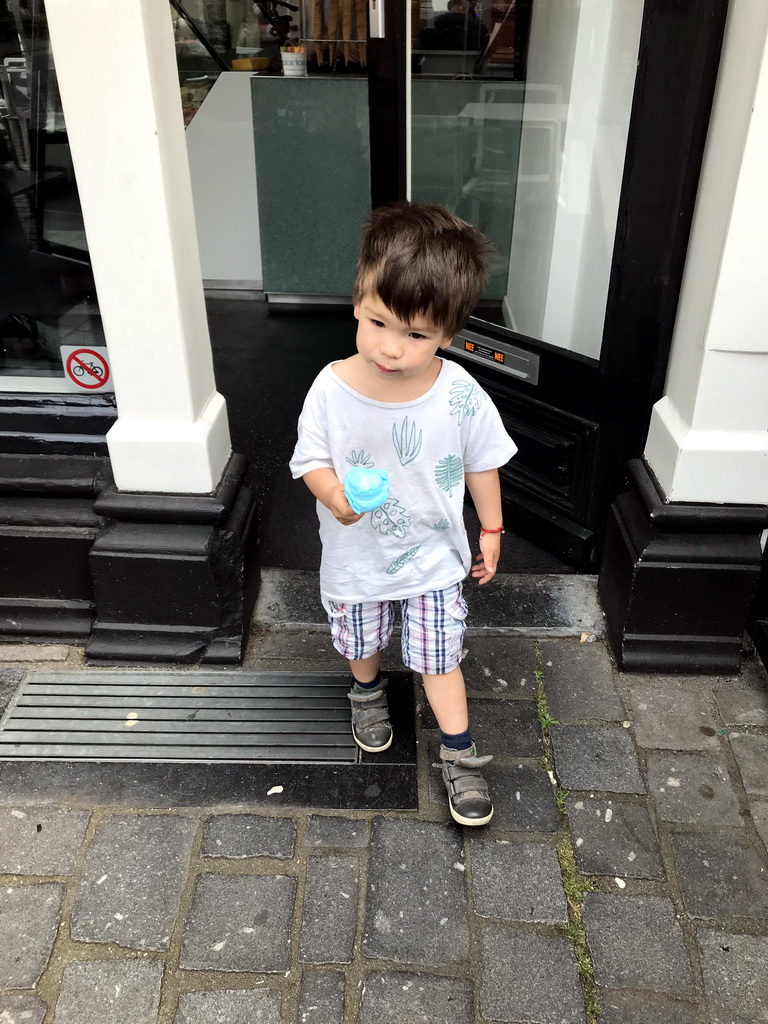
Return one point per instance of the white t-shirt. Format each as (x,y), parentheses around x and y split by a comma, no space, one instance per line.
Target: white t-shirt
(416,542)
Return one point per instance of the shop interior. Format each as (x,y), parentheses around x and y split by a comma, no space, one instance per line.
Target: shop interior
(275,103)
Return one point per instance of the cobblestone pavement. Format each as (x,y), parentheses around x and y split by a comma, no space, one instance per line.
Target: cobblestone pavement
(632,891)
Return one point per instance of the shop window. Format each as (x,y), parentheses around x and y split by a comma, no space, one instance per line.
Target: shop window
(47,293)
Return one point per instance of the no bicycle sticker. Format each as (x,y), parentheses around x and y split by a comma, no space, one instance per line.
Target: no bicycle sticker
(86,369)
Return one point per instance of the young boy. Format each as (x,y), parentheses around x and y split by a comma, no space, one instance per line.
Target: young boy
(397,406)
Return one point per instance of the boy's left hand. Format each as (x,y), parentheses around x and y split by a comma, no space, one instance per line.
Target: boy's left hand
(484,568)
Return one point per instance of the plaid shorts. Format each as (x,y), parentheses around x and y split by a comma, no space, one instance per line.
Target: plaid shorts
(432,636)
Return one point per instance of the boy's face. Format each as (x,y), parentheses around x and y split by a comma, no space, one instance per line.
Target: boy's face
(391,349)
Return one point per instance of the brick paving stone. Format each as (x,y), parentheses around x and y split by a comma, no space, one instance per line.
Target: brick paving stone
(309,650)
(321,999)
(34,652)
(416,910)
(121,992)
(22,1010)
(397,998)
(527,977)
(249,835)
(40,842)
(579,682)
(743,707)
(752,673)
(735,978)
(672,719)
(326,831)
(590,757)
(759,811)
(636,942)
(330,910)
(231,1006)
(508,728)
(240,923)
(647,1008)
(287,646)
(692,789)
(751,754)
(517,882)
(504,728)
(11,676)
(720,875)
(133,879)
(523,797)
(500,664)
(613,838)
(9,683)
(29,922)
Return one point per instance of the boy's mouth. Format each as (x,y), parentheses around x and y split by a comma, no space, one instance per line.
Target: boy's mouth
(383,368)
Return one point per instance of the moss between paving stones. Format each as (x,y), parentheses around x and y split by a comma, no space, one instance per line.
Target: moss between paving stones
(575,885)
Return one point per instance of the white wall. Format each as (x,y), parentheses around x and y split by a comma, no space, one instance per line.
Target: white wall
(708,439)
(588,53)
(551,51)
(222,167)
(584,249)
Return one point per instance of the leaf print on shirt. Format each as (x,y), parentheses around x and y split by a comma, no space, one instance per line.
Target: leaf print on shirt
(407,443)
(466,398)
(391,518)
(441,524)
(449,473)
(398,563)
(360,458)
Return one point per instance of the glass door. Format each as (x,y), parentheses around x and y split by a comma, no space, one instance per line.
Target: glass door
(519,123)
(312,138)
(276,102)
(571,133)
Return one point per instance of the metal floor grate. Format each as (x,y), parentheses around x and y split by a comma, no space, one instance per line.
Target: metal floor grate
(180,716)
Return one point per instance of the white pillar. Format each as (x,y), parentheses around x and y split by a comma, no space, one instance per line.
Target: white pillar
(708,439)
(116,68)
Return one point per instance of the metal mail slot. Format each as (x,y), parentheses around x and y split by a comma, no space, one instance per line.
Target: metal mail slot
(506,358)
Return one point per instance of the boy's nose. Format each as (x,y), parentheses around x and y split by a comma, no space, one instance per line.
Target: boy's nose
(391,347)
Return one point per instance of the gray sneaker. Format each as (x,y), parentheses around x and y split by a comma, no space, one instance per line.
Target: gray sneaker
(468,797)
(370,719)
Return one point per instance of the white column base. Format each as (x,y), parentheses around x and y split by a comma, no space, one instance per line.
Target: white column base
(171,456)
(710,466)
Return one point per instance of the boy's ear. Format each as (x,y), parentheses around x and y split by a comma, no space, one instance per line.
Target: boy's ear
(445,343)
(356,311)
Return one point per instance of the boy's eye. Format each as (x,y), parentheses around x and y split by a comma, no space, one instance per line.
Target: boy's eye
(377,323)
(415,334)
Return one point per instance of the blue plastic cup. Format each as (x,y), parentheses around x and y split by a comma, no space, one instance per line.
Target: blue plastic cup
(366,489)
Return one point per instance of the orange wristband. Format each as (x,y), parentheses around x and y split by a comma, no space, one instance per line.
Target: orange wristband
(483,532)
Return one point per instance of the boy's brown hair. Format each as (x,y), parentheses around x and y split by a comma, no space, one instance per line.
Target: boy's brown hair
(422,260)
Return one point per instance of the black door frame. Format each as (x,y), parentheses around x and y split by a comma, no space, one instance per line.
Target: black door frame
(758,617)
(588,418)
(388,66)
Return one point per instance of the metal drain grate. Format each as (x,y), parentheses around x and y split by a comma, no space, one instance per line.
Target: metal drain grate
(180,716)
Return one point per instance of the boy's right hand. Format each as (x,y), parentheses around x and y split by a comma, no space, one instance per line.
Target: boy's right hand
(342,510)
(327,488)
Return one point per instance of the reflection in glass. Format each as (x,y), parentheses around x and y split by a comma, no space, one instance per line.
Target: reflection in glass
(47,293)
(202,37)
(247,35)
(335,33)
(468,70)
(520,121)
